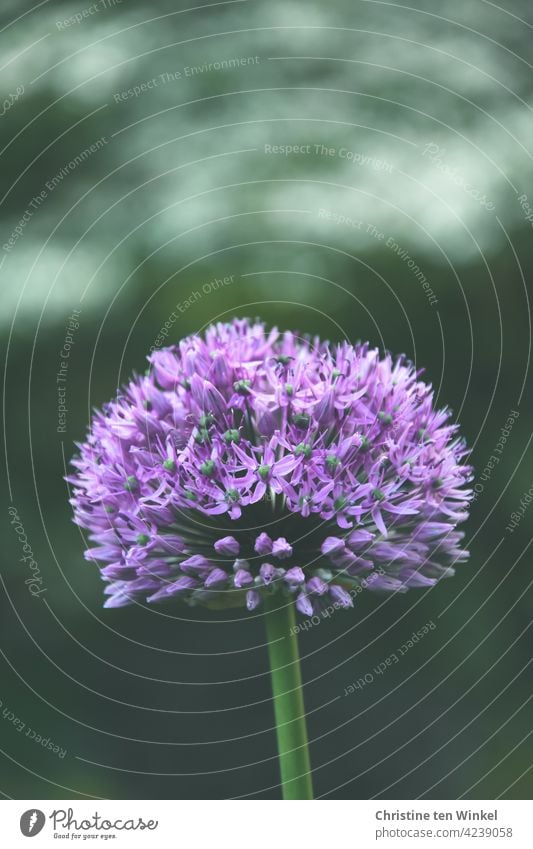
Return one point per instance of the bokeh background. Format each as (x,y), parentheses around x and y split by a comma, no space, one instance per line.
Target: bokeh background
(144,157)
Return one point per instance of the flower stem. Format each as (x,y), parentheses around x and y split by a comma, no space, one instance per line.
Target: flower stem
(289,711)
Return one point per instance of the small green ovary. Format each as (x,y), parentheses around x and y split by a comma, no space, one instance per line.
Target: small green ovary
(208,468)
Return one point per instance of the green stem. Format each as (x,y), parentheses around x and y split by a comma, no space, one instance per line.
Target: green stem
(289,711)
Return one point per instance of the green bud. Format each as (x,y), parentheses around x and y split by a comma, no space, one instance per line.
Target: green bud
(231,436)
(378,494)
(263,472)
(201,436)
(142,539)
(206,420)
(301,420)
(208,468)
(385,418)
(131,483)
(242,386)
(169,465)
(289,389)
(304,449)
(332,462)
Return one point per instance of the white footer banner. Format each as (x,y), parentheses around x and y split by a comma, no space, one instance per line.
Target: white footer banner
(262,824)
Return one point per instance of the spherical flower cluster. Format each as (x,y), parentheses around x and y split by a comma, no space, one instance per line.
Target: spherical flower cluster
(249,462)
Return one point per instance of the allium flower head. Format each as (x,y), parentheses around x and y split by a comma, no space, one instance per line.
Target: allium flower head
(249,462)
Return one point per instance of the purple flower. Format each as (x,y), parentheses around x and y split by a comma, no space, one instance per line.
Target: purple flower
(267,573)
(340,595)
(186,481)
(217,576)
(304,605)
(253,599)
(332,544)
(317,585)
(263,544)
(281,549)
(295,575)
(242,578)
(227,545)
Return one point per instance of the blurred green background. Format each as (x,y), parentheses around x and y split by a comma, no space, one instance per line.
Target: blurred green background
(334,161)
